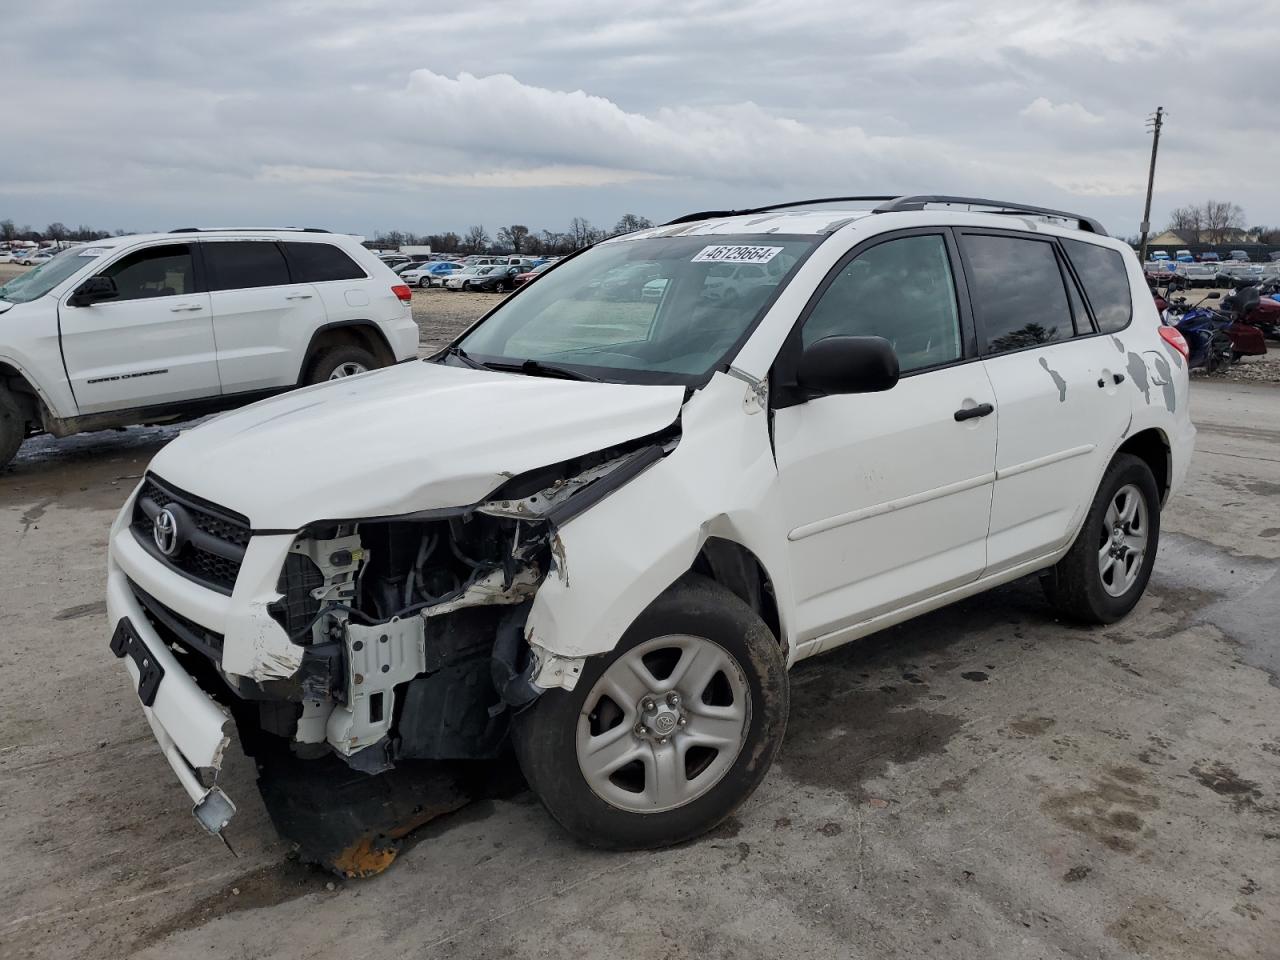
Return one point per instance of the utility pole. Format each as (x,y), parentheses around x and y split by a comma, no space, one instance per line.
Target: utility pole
(1154,123)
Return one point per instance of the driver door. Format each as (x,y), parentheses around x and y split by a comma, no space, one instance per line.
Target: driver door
(888,495)
(152,344)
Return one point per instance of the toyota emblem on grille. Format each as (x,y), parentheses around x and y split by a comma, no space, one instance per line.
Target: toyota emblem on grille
(164,530)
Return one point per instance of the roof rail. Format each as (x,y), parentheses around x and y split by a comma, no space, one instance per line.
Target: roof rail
(712,214)
(997,206)
(249,229)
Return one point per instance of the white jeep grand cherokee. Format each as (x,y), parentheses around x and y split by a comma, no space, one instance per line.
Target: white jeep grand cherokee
(164,327)
(607,521)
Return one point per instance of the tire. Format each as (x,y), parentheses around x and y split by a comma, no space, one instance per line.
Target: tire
(500,287)
(13,427)
(1078,586)
(423,283)
(751,675)
(329,364)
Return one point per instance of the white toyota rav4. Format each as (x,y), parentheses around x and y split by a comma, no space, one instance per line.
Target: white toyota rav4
(606,524)
(163,327)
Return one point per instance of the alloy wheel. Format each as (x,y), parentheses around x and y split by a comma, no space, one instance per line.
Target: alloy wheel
(1124,540)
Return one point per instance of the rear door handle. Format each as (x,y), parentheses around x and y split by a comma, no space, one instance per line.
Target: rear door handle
(185,308)
(298,296)
(973,413)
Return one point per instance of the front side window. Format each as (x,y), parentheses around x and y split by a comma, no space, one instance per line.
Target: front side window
(901,290)
(653,310)
(1018,293)
(1106,282)
(164,271)
(241,264)
(319,262)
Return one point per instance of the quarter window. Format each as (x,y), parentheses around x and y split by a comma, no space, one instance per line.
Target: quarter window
(318,262)
(1106,282)
(901,290)
(163,271)
(237,264)
(1018,292)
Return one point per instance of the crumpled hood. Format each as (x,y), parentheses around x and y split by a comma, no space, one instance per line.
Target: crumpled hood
(417,436)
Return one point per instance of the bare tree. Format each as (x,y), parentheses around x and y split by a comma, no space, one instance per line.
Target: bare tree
(476,240)
(582,233)
(514,236)
(1188,221)
(630,223)
(1220,218)
(56,231)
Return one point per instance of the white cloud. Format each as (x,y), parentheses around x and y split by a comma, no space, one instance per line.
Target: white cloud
(1044,110)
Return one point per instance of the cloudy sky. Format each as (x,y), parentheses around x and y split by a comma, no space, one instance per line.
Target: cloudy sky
(361,115)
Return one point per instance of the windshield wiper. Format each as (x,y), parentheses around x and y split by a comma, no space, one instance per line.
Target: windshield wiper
(536,368)
(465,358)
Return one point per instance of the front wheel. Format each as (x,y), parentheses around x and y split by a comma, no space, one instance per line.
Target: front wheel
(13,427)
(665,736)
(1105,572)
(424,282)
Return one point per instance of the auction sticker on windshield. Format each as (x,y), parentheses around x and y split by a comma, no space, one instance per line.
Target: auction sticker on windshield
(736,254)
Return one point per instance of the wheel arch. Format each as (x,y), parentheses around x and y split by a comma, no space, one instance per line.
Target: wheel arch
(739,570)
(1153,448)
(29,397)
(364,334)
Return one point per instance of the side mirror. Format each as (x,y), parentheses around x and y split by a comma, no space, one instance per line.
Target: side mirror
(93,290)
(848,365)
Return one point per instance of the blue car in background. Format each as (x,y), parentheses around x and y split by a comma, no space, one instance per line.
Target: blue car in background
(430,274)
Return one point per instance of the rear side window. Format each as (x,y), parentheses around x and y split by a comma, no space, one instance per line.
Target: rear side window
(318,262)
(1018,292)
(239,264)
(1106,283)
(155,272)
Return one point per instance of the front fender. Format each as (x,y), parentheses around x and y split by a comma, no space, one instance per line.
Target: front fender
(613,560)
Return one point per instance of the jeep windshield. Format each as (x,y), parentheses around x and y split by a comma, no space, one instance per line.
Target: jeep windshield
(655,310)
(38,281)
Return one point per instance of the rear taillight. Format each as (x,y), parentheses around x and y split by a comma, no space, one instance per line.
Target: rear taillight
(1175,339)
(403,292)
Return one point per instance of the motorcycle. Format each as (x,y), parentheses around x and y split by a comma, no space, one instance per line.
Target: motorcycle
(1205,330)
(1265,315)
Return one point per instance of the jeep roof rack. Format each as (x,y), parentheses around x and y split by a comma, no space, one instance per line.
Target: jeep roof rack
(249,229)
(894,204)
(997,206)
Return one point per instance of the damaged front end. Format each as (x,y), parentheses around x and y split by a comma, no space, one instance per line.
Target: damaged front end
(411,646)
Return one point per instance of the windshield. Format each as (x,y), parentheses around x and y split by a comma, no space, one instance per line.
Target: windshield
(38,281)
(656,310)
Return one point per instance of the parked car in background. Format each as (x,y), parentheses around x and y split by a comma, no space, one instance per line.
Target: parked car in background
(1274,256)
(530,275)
(1159,255)
(430,274)
(1210,257)
(164,327)
(34,258)
(498,278)
(1184,256)
(408,265)
(461,279)
(1239,256)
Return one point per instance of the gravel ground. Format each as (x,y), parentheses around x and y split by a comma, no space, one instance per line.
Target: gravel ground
(442,315)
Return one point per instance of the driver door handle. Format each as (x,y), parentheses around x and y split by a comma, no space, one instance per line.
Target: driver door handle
(298,296)
(973,413)
(186,308)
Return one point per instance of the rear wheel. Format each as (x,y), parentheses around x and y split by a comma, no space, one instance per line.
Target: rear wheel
(668,734)
(1106,570)
(13,427)
(338,363)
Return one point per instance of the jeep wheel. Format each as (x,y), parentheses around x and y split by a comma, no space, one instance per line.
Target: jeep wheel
(1106,570)
(13,427)
(340,362)
(668,734)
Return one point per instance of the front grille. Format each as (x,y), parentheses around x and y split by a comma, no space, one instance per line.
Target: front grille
(210,540)
(175,629)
